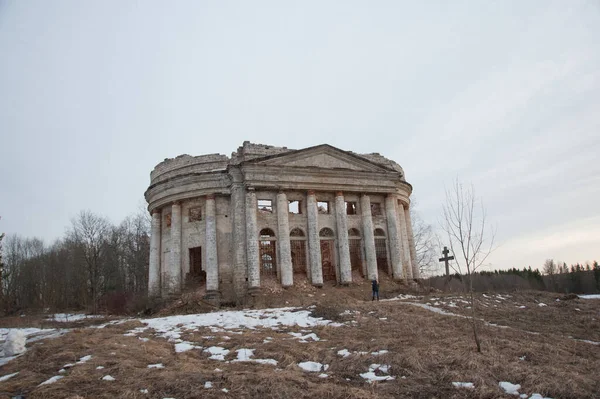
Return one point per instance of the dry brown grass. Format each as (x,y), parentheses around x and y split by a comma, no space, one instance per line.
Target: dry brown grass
(429,349)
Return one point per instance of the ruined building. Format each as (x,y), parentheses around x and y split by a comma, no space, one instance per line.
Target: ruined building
(228,224)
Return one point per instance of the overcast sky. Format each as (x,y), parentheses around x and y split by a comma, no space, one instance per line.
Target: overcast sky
(505,95)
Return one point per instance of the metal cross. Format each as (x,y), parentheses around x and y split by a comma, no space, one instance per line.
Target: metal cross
(445,259)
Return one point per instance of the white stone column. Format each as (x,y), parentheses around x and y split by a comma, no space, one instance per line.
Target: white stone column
(238,223)
(406,263)
(394,236)
(283,240)
(342,235)
(369,236)
(416,273)
(154,266)
(210,245)
(252,249)
(174,273)
(314,245)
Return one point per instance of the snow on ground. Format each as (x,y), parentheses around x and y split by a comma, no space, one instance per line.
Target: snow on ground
(8,376)
(509,388)
(156,366)
(434,309)
(208,385)
(185,346)
(52,380)
(217,353)
(31,334)
(313,367)
(401,297)
(245,355)
(371,375)
(83,359)
(344,353)
(595,296)
(463,385)
(304,338)
(227,320)
(108,378)
(381,352)
(67,317)
(15,343)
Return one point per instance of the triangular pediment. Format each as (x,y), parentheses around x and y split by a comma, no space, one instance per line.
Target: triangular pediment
(321,157)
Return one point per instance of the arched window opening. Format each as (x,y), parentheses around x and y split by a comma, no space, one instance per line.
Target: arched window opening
(379,233)
(354,233)
(326,232)
(267,233)
(296,232)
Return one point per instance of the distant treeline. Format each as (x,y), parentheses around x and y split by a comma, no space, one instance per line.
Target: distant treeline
(96,266)
(577,279)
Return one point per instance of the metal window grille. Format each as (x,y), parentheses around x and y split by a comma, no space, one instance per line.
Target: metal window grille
(268,262)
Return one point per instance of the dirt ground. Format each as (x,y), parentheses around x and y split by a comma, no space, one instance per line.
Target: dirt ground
(542,348)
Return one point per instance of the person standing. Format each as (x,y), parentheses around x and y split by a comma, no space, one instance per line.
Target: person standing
(375,287)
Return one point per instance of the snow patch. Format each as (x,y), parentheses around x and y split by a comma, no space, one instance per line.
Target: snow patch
(185,346)
(8,376)
(343,353)
(83,359)
(52,380)
(312,367)
(217,352)
(594,296)
(510,388)
(208,385)
(371,375)
(463,385)
(108,378)
(15,342)
(171,326)
(67,317)
(156,366)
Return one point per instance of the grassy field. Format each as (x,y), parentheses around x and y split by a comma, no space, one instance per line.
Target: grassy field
(540,347)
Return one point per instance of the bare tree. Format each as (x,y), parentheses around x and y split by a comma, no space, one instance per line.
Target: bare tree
(471,240)
(90,232)
(549,267)
(425,244)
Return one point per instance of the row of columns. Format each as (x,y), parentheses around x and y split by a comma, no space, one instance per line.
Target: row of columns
(246,258)
(171,270)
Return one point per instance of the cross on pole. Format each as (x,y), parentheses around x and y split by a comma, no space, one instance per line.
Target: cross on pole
(445,259)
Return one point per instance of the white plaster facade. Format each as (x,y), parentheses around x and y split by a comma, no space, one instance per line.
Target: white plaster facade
(320,213)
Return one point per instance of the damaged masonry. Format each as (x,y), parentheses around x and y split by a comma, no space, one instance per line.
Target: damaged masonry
(270,213)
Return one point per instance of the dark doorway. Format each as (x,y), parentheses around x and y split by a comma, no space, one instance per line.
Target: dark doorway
(298,256)
(196,275)
(327,260)
(355,258)
(381,254)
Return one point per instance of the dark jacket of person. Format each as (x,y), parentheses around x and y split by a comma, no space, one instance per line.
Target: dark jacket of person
(375,285)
